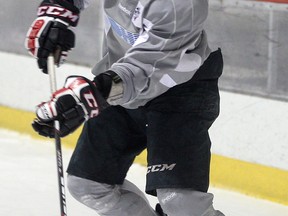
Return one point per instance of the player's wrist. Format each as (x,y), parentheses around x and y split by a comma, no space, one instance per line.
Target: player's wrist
(110,85)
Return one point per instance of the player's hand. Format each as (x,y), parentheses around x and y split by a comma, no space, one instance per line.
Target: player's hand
(51,33)
(78,101)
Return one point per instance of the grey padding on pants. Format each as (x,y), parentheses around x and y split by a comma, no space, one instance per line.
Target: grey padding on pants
(186,202)
(110,200)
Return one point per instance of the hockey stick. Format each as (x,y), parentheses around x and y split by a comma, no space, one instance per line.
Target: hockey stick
(61,183)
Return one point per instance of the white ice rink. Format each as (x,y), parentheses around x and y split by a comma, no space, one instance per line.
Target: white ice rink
(28,183)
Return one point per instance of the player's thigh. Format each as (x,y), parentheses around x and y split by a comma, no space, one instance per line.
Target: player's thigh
(178,140)
(107,147)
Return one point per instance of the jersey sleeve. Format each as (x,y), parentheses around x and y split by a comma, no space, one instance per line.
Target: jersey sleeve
(172,45)
(81,4)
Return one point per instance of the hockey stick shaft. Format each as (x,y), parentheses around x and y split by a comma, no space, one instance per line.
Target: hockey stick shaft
(61,183)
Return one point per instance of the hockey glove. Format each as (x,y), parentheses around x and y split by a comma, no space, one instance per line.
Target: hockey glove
(78,101)
(50,32)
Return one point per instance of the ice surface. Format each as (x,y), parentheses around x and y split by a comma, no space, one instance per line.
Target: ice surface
(28,183)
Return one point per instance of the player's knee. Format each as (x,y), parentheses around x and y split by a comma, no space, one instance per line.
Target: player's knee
(98,196)
(185,202)
(73,186)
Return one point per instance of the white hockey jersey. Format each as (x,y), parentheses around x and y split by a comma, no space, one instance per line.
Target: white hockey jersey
(152,45)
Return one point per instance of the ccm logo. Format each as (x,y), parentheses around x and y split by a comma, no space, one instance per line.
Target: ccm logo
(92,103)
(57,11)
(160,168)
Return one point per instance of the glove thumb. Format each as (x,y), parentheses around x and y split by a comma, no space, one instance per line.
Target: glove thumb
(44,129)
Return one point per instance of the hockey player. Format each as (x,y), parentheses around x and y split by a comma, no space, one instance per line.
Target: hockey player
(161,81)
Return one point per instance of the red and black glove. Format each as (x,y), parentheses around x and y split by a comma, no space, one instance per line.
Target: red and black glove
(51,32)
(78,101)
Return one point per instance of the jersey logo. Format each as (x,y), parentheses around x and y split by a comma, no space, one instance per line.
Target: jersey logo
(124,9)
(137,13)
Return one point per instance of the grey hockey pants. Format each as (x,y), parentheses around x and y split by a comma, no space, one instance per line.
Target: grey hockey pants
(128,200)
